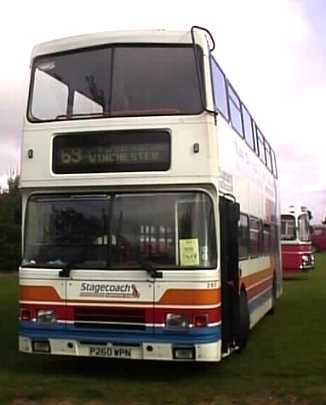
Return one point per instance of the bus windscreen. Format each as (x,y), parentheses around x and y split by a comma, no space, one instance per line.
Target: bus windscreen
(120,231)
(115,81)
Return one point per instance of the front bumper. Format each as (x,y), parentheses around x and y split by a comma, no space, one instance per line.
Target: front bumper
(206,352)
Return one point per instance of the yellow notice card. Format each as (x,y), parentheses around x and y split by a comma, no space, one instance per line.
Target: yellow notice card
(189,252)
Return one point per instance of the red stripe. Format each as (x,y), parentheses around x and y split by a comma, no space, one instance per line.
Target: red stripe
(151,315)
(259,288)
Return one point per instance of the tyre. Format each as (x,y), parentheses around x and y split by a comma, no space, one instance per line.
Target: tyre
(244,322)
(272,310)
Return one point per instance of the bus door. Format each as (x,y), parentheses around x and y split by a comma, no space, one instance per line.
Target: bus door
(229,217)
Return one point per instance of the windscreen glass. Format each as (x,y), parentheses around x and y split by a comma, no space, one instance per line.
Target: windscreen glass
(303,227)
(121,231)
(288,228)
(115,81)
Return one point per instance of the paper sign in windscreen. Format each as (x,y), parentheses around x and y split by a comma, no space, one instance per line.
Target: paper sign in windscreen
(189,252)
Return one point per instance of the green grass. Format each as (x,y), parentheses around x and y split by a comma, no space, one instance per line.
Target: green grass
(284,362)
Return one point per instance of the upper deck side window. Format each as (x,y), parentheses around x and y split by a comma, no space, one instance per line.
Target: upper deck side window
(261,145)
(268,154)
(235,110)
(274,165)
(248,127)
(219,89)
(120,80)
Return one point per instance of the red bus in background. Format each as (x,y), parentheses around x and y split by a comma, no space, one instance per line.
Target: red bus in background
(318,238)
(296,243)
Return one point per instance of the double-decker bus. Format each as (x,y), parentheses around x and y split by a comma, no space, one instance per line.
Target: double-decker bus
(296,243)
(150,202)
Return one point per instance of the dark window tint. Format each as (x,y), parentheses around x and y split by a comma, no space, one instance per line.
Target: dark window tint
(261,146)
(235,110)
(154,80)
(243,236)
(268,156)
(267,239)
(247,125)
(121,231)
(274,238)
(219,87)
(254,235)
(274,163)
(288,227)
(303,228)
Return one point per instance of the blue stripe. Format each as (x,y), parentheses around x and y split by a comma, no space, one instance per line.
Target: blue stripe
(191,336)
(260,300)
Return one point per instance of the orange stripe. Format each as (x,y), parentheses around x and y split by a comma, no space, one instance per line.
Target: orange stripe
(38,293)
(256,277)
(170,297)
(191,297)
(260,288)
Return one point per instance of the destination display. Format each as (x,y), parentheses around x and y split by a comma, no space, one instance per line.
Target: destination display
(121,151)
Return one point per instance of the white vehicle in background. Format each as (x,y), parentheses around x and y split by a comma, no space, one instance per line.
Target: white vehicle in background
(297,255)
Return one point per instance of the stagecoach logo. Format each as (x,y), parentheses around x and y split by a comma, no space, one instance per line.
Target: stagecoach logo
(104,290)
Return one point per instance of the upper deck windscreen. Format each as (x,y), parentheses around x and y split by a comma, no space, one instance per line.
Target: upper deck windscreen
(133,80)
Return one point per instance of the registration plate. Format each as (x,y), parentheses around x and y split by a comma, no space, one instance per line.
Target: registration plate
(123,352)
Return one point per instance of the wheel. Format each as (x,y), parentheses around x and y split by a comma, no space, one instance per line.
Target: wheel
(244,322)
(272,310)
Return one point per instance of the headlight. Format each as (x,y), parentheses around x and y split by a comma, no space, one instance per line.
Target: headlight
(46,316)
(305,258)
(176,321)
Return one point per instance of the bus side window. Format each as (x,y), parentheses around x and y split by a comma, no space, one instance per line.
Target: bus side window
(260,238)
(274,163)
(268,156)
(243,237)
(267,239)
(261,146)
(235,111)
(248,127)
(219,89)
(254,237)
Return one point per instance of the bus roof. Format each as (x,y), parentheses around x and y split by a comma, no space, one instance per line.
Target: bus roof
(102,38)
(295,211)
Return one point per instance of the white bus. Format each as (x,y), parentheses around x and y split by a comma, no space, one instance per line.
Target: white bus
(296,244)
(150,202)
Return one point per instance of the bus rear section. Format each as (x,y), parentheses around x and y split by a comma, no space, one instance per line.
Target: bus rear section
(297,255)
(121,275)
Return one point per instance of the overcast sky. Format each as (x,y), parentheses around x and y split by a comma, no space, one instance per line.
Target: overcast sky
(273,51)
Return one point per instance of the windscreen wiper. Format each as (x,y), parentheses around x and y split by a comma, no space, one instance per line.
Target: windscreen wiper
(66,269)
(150,268)
(81,115)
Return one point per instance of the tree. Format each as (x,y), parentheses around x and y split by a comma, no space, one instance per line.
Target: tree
(10,226)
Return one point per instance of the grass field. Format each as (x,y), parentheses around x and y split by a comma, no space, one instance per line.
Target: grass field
(284,362)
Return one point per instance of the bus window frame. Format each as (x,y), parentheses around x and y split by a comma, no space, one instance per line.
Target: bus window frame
(274,164)
(260,139)
(253,146)
(112,194)
(201,83)
(248,237)
(238,108)
(213,60)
